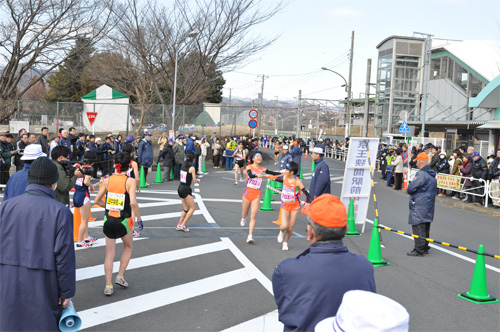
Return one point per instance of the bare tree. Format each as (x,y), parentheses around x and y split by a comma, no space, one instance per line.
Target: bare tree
(37,36)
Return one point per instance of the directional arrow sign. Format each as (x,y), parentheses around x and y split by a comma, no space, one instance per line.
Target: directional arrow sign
(404,129)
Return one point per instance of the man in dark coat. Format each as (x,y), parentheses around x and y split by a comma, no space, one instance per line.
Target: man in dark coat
(479,171)
(168,157)
(422,202)
(296,153)
(145,154)
(310,287)
(40,274)
(320,181)
(178,149)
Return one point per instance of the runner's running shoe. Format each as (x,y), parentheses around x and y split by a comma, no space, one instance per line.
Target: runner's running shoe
(243,222)
(108,290)
(280,237)
(183,228)
(250,239)
(84,244)
(136,234)
(120,281)
(285,246)
(90,239)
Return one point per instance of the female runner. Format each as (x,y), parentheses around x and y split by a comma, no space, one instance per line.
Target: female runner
(240,157)
(81,201)
(188,175)
(290,204)
(277,148)
(251,194)
(133,169)
(119,190)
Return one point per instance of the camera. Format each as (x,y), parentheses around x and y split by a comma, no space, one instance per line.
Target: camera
(71,166)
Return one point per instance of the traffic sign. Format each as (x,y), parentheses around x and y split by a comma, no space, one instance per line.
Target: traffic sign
(253,113)
(404,129)
(91,116)
(252,123)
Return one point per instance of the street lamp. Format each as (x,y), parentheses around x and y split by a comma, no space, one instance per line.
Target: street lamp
(348,104)
(191,34)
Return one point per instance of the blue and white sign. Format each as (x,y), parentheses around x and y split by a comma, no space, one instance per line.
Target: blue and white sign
(404,129)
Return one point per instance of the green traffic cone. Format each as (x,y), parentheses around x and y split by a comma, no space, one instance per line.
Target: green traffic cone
(204,168)
(312,167)
(172,173)
(374,252)
(351,221)
(158,175)
(478,292)
(301,175)
(276,185)
(266,206)
(143,179)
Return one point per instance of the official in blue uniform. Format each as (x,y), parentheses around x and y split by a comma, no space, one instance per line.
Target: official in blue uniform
(320,181)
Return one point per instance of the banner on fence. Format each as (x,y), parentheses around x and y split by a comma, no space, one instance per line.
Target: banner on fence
(357,177)
(448,182)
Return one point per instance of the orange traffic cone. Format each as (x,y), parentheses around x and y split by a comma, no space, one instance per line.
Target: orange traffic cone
(307,155)
(278,222)
(405,181)
(77,220)
(265,147)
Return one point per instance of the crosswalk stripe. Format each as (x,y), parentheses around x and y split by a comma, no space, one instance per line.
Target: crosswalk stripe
(140,262)
(265,323)
(136,305)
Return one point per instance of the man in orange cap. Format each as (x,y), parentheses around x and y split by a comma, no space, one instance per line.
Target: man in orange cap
(422,201)
(310,287)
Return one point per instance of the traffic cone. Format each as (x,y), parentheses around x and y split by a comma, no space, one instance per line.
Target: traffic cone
(266,206)
(405,181)
(142,179)
(265,147)
(77,220)
(204,168)
(374,252)
(478,292)
(278,222)
(351,221)
(172,173)
(301,175)
(312,167)
(158,175)
(307,155)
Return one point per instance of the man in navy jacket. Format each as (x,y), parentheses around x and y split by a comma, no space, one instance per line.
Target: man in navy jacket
(310,287)
(422,201)
(37,257)
(320,181)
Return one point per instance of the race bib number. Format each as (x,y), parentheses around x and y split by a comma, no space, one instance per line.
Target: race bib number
(183,176)
(287,195)
(115,202)
(79,182)
(254,183)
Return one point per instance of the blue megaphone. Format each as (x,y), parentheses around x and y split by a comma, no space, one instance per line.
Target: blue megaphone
(70,321)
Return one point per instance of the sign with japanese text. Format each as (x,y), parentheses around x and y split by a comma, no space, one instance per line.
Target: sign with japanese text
(357,178)
(445,181)
(91,116)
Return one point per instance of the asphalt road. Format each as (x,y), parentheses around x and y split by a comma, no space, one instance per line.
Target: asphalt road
(210,279)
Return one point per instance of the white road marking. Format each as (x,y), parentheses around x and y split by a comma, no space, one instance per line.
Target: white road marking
(102,243)
(136,305)
(140,262)
(196,190)
(203,209)
(452,253)
(265,323)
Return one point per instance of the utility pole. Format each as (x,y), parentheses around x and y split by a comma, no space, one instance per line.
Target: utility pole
(298,114)
(349,87)
(261,104)
(425,75)
(367,98)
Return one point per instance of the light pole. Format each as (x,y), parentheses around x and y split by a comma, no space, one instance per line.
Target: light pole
(191,34)
(348,103)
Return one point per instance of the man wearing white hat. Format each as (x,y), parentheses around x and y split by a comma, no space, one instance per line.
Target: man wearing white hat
(19,181)
(362,311)
(320,180)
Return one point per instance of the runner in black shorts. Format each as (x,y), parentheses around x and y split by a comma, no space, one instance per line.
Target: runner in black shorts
(119,190)
(187,176)
(240,157)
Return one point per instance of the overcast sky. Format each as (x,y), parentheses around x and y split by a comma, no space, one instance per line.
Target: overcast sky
(317,33)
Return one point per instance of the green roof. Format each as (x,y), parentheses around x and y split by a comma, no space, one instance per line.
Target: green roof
(360,100)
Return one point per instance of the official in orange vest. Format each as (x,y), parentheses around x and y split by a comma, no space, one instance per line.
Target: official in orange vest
(118,222)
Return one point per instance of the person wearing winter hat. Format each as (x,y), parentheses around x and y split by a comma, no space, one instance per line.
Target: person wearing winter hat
(362,311)
(310,287)
(19,181)
(44,265)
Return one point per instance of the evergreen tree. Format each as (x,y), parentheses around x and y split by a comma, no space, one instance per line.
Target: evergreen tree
(216,83)
(69,83)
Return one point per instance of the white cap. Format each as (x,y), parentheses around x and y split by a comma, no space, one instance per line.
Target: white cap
(98,139)
(318,149)
(363,311)
(284,147)
(33,151)
(320,139)
(443,152)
